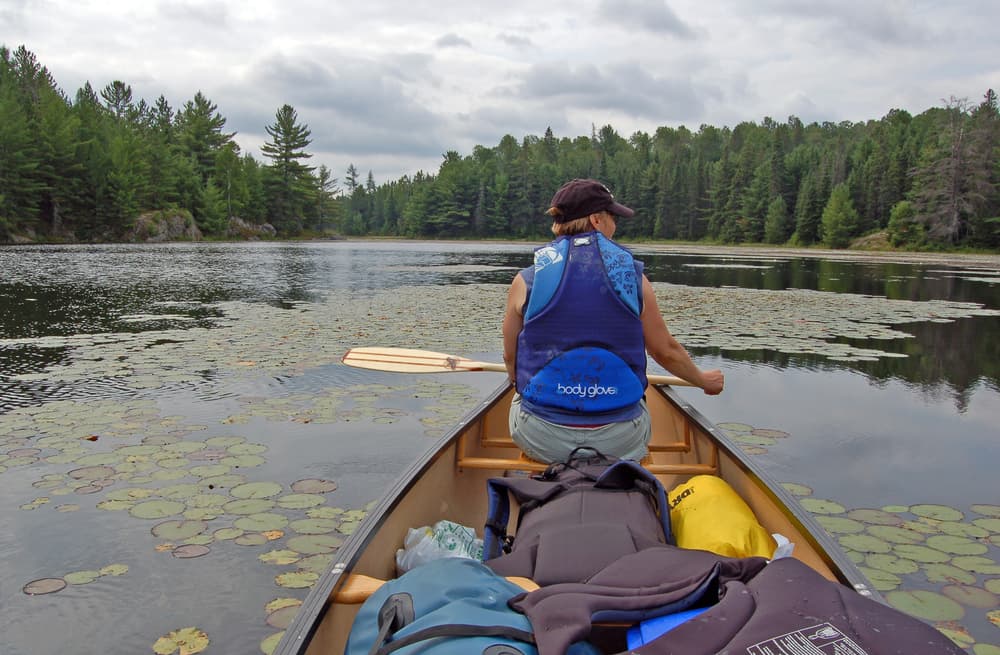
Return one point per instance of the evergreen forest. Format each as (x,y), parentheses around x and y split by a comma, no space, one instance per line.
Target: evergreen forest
(90,167)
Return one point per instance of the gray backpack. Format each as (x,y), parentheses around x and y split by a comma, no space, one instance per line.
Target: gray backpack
(614,506)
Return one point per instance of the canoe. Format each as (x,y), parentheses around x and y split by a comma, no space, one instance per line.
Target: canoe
(449,482)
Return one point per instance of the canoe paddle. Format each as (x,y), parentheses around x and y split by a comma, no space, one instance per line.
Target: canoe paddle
(408,360)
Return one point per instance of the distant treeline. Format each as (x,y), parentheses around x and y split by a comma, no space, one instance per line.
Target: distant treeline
(85,168)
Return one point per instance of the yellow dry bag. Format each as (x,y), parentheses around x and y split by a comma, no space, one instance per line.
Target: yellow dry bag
(707,514)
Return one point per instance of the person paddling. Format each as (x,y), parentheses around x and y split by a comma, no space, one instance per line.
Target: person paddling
(577,328)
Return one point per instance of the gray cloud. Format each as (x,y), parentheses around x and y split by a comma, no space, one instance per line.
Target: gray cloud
(651,15)
(452,40)
(625,87)
(515,40)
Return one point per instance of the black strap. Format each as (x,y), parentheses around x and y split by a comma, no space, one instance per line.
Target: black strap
(454,630)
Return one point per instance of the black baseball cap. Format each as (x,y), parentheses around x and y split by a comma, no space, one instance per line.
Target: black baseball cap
(583,197)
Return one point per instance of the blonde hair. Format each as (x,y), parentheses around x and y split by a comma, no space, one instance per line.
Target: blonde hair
(569,228)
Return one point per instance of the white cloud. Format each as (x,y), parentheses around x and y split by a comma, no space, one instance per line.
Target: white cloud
(390,86)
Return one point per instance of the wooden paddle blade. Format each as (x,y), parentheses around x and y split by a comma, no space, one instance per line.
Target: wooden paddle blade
(407,360)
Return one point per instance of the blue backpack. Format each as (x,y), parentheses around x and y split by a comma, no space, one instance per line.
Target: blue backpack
(452,606)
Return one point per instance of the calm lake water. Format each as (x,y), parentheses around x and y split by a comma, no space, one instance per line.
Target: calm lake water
(174,418)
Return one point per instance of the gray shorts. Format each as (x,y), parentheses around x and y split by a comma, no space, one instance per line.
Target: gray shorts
(550,442)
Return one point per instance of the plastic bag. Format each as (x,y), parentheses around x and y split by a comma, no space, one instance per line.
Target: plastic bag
(444,539)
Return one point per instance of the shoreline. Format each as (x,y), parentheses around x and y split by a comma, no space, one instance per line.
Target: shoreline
(741,251)
(755,251)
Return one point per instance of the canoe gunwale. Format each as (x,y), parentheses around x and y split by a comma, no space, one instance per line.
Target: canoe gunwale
(318,601)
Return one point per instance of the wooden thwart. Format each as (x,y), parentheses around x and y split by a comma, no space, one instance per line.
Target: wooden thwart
(357,587)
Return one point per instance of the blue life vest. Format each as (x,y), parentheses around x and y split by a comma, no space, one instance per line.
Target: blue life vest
(581,355)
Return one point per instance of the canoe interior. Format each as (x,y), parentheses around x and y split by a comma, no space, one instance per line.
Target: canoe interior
(450,483)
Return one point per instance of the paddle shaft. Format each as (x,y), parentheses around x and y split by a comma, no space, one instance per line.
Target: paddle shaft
(408,360)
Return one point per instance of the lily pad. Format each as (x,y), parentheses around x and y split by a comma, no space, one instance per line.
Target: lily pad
(919,553)
(875,517)
(44,586)
(840,524)
(315,543)
(188,551)
(176,530)
(882,580)
(186,641)
(938,512)
(157,509)
(251,539)
(223,534)
(990,524)
(927,605)
(314,486)
(864,543)
(820,506)
(282,618)
(316,563)
(261,522)
(956,545)
(314,526)
(947,573)
(296,579)
(895,534)
(891,563)
(248,506)
(81,577)
(971,596)
(300,501)
(269,644)
(977,564)
(91,472)
(114,569)
(281,557)
(958,529)
(797,489)
(256,490)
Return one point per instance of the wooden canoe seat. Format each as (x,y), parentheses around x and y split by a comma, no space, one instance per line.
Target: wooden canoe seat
(523,463)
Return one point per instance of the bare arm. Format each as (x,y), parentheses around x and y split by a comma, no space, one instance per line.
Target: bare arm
(667,351)
(513,320)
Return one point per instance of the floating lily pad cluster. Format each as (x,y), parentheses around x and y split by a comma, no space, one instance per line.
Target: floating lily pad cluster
(195,489)
(314,334)
(935,562)
(753,441)
(798,321)
(442,405)
(52,585)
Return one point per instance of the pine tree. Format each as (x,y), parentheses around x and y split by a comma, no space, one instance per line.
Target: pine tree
(840,220)
(291,185)
(953,177)
(199,127)
(776,224)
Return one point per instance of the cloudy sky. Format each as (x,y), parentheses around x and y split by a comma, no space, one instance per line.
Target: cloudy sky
(390,85)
